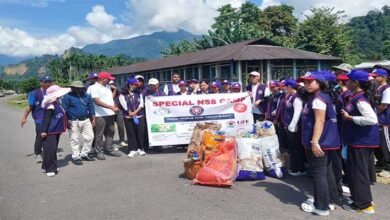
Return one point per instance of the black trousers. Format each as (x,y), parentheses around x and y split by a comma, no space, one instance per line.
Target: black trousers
(358,166)
(135,133)
(382,154)
(282,135)
(38,139)
(337,167)
(324,183)
(297,157)
(121,126)
(50,145)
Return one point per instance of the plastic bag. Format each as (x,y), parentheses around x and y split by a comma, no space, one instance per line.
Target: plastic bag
(221,168)
(265,128)
(272,160)
(250,163)
(210,144)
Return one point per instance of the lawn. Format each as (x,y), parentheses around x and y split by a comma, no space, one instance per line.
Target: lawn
(19,101)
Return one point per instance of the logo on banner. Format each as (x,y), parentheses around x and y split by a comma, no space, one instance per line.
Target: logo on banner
(231,124)
(162,111)
(196,110)
(240,107)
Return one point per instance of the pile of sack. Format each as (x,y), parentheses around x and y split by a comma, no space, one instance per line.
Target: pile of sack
(216,159)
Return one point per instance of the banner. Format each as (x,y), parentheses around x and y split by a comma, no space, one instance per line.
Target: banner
(171,119)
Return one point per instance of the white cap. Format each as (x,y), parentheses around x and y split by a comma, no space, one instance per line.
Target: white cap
(111,83)
(254,73)
(139,77)
(153,81)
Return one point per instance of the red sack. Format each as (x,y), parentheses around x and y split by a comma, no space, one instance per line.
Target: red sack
(221,169)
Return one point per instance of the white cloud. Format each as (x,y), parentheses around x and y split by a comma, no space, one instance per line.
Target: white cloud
(267,3)
(352,8)
(195,16)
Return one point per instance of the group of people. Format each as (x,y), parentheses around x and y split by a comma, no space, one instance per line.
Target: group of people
(336,121)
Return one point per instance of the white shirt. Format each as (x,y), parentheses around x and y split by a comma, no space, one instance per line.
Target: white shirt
(175,88)
(368,114)
(298,106)
(386,96)
(319,104)
(104,93)
(123,102)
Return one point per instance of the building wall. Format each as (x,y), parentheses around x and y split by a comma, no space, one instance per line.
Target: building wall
(269,69)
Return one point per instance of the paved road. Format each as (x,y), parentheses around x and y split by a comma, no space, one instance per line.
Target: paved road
(150,187)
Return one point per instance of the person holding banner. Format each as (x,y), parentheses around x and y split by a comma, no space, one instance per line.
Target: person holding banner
(204,87)
(193,86)
(215,87)
(236,87)
(132,104)
(226,86)
(173,87)
(154,89)
(259,93)
(183,89)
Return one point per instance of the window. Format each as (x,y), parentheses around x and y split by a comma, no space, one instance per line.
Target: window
(281,69)
(226,72)
(305,65)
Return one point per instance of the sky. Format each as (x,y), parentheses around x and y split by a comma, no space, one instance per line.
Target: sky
(37,27)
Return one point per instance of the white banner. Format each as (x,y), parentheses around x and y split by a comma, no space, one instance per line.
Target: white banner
(171,119)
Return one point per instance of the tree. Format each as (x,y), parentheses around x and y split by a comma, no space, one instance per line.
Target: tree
(29,84)
(322,32)
(280,22)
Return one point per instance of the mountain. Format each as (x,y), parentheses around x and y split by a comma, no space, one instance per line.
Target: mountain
(30,67)
(145,46)
(6,60)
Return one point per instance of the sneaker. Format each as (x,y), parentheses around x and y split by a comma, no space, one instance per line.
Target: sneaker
(100,156)
(346,189)
(141,152)
(116,149)
(132,154)
(77,162)
(347,200)
(332,206)
(352,208)
(114,154)
(310,208)
(38,158)
(123,144)
(50,174)
(297,173)
(87,158)
(384,173)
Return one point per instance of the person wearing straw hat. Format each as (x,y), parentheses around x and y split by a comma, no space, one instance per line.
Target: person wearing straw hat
(54,124)
(343,68)
(81,118)
(35,98)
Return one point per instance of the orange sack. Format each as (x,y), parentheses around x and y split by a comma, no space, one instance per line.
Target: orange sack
(221,169)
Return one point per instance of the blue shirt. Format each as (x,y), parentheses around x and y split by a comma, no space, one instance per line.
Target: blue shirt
(35,103)
(78,106)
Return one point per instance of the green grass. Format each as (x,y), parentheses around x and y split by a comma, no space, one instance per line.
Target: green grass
(18,101)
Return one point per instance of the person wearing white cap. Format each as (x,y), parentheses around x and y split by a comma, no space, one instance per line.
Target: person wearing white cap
(259,93)
(154,89)
(54,124)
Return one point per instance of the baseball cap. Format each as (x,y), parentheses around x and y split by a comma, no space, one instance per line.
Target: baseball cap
(254,73)
(92,75)
(182,83)
(342,77)
(359,75)
(312,75)
(380,72)
(273,83)
(226,82)
(139,77)
(132,81)
(105,75)
(45,79)
(291,82)
(236,85)
(344,67)
(215,85)
(329,76)
(152,81)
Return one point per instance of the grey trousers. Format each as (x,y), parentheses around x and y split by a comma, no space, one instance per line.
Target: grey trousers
(104,127)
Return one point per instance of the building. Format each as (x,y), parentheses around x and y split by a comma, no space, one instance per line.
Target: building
(232,62)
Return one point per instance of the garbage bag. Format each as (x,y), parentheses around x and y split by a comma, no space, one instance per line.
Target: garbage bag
(250,159)
(221,169)
(272,161)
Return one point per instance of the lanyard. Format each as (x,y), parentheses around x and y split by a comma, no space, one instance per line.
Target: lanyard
(132,100)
